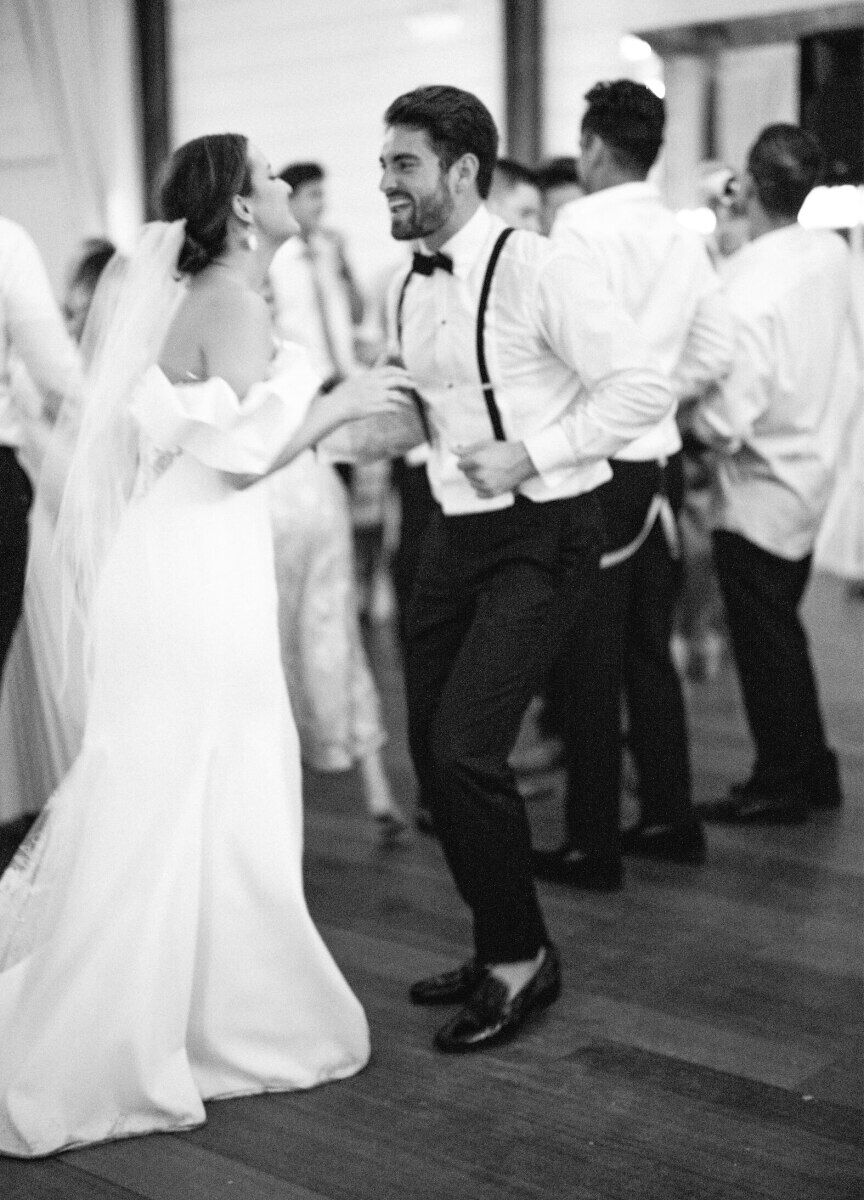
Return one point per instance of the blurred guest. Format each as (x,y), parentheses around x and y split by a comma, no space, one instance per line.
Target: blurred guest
(720,190)
(43,703)
(699,640)
(333,694)
(515,196)
(661,274)
(92,259)
(315,298)
(558,180)
(317,302)
(776,418)
(31,327)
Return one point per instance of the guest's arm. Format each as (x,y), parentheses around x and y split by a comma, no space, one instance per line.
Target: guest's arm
(725,417)
(623,392)
(710,348)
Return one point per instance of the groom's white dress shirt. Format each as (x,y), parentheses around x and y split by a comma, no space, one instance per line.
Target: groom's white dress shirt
(573,378)
(662,275)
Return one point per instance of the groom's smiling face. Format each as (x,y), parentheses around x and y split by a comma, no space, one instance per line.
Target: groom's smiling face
(417,189)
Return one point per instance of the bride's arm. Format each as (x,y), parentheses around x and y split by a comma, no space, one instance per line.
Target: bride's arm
(374,393)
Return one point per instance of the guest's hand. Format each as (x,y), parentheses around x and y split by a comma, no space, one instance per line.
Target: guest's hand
(493,468)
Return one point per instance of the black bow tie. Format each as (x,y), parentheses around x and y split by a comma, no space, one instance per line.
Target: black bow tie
(425,264)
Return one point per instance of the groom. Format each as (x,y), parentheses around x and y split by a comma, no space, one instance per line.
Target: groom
(530,376)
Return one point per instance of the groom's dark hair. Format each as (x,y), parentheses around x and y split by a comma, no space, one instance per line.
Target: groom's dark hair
(455,122)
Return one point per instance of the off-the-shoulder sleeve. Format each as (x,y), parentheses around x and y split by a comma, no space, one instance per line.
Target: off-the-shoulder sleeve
(210,422)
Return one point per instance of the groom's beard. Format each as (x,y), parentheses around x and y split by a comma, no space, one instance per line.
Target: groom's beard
(422,216)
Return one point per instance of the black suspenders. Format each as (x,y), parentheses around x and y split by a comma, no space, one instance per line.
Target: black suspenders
(480,341)
(488,393)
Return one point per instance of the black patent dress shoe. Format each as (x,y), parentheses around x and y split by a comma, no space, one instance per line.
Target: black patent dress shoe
(491,1016)
(745,804)
(579,869)
(450,987)
(677,842)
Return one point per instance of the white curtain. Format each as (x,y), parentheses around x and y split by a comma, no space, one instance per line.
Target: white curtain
(80,54)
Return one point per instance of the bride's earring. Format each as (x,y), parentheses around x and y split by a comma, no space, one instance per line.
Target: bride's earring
(250,240)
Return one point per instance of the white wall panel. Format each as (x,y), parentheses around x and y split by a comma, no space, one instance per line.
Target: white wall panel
(311,80)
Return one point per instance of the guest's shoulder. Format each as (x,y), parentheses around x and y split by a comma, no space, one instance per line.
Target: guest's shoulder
(533,251)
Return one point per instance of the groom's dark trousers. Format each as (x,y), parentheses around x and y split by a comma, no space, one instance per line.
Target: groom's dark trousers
(495,595)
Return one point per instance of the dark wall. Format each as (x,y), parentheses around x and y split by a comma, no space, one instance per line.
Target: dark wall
(832,100)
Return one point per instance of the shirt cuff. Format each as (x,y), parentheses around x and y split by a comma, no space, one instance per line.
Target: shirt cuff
(550,451)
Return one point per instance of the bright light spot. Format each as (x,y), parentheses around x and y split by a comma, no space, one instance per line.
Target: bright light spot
(700,220)
(657,86)
(633,48)
(435,26)
(839,207)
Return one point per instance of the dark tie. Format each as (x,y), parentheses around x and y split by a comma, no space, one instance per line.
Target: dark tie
(426,264)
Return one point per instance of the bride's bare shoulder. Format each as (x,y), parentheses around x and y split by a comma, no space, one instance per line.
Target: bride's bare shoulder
(219,330)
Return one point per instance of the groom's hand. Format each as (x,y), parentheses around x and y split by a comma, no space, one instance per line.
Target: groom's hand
(493,468)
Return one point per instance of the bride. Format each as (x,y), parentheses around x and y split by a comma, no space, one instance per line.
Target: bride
(155,946)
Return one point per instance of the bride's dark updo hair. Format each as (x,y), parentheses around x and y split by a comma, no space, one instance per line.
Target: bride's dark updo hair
(201,180)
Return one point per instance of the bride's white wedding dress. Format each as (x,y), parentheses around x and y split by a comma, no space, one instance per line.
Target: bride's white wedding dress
(155,946)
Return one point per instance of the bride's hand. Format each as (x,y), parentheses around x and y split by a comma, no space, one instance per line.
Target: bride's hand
(371,393)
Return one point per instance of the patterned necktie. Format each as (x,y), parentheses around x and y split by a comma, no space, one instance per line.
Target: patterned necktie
(426,264)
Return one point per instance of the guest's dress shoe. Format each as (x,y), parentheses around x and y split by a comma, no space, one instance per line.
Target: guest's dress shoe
(677,842)
(492,1016)
(747,804)
(579,869)
(450,987)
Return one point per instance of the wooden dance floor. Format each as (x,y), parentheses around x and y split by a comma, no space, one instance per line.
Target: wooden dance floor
(708,1043)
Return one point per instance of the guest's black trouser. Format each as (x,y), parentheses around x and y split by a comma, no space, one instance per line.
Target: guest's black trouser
(495,594)
(762,593)
(416,505)
(624,644)
(16,496)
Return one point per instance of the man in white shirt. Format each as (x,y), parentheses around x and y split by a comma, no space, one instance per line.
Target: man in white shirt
(32,328)
(778,417)
(661,274)
(530,376)
(316,301)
